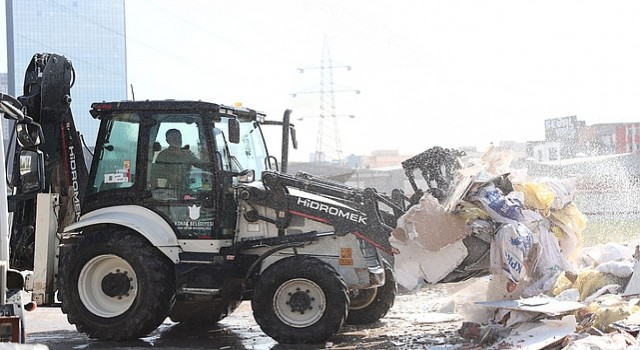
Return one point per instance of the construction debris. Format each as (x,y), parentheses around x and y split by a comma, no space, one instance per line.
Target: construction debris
(525,236)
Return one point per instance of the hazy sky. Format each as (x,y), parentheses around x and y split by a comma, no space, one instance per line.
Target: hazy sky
(446,73)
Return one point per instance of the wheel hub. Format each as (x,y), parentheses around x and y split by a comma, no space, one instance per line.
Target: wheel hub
(116,284)
(361,298)
(300,301)
(107,285)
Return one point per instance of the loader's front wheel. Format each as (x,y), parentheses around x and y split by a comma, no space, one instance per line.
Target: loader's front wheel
(115,285)
(300,300)
(370,305)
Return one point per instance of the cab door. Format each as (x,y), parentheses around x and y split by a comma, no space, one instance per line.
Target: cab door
(182,186)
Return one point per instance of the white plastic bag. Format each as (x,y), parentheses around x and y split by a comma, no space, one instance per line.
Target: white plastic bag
(504,209)
(509,249)
(620,268)
(565,190)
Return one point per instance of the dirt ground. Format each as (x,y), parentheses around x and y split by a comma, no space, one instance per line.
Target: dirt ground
(412,323)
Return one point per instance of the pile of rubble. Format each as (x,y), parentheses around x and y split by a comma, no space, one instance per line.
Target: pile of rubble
(544,290)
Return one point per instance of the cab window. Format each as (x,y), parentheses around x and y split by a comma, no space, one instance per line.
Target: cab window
(116,153)
(249,153)
(179,161)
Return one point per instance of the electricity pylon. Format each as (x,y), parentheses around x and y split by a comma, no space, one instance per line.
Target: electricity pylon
(328,145)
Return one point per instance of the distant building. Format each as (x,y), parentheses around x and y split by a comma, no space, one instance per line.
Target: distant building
(4,88)
(628,138)
(565,132)
(547,151)
(89,33)
(609,138)
(382,159)
(597,139)
(569,137)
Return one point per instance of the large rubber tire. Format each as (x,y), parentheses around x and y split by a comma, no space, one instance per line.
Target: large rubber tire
(369,305)
(115,285)
(300,300)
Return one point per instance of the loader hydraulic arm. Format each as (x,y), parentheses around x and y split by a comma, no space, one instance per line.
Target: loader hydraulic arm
(46,100)
(348,210)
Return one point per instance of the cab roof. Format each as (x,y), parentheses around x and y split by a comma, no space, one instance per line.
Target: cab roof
(100,108)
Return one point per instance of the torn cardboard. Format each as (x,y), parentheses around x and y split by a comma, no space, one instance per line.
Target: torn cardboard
(430,225)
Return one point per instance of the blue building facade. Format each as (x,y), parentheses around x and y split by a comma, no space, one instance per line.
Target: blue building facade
(91,34)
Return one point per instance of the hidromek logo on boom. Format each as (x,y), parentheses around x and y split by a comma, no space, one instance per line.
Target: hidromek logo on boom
(361,219)
(74,181)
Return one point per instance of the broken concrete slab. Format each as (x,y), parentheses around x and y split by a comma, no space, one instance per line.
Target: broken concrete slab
(540,304)
(433,317)
(413,264)
(633,287)
(630,324)
(610,341)
(538,335)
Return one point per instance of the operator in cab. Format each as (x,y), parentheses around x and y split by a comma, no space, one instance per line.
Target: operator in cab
(175,162)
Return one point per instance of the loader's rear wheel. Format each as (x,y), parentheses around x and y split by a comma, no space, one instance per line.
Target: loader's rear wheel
(369,305)
(300,300)
(115,285)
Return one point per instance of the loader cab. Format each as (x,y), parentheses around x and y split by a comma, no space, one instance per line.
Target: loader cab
(180,159)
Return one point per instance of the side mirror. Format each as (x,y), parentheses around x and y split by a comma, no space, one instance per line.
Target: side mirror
(29,135)
(234,131)
(31,171)
(246,176)
(294,139)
